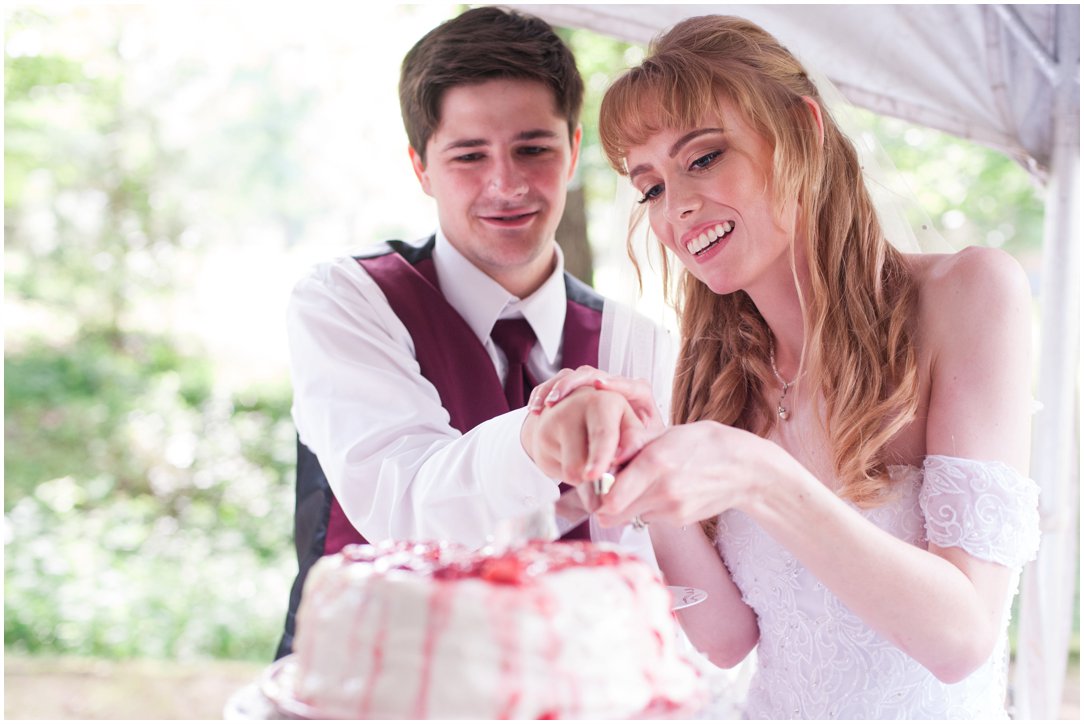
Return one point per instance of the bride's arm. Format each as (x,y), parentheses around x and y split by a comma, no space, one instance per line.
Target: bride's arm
(942,606)
(723,627)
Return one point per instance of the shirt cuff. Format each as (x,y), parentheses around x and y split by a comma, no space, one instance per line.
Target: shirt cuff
(514,485)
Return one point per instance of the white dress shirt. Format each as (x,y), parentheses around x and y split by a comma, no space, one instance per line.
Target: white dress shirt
(394,462)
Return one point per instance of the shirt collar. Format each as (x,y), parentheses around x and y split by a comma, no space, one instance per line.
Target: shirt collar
(481,301)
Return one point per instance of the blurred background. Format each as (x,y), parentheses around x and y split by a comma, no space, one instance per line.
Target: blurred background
(170,170)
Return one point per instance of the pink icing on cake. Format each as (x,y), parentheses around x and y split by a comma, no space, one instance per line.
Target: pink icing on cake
(542,631)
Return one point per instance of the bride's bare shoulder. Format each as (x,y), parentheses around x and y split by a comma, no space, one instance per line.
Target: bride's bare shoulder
(972,263)
(972,285)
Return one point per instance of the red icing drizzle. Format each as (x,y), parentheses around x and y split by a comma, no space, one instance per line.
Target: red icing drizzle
(571,692)
(305,645)
(508,640)
(440,608)
(354,634)
(445,561)
(377,666)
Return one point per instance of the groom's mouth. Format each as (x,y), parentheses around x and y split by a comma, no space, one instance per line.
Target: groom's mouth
(511,219)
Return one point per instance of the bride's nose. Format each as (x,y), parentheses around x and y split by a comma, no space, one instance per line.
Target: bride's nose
(680,202)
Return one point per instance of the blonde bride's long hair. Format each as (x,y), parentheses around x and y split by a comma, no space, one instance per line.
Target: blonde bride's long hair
(859,352)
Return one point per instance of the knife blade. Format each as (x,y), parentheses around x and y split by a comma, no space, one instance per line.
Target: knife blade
(575,505)
(553,520)
(571,509)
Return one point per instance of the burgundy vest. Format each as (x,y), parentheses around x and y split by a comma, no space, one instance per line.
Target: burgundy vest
(454,361)
(449,353)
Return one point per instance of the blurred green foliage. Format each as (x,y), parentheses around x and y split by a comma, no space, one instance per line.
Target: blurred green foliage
(145,515)
(55,396)
(973,194)
(148,509)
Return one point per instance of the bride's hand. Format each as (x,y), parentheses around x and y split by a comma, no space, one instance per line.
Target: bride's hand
(637,392)
(690,473)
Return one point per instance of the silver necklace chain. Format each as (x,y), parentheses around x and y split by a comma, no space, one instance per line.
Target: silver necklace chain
(784,413)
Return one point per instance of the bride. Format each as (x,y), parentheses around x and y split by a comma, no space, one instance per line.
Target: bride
(850,422)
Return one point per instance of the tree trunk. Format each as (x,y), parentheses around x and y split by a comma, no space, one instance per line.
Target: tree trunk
(572,237)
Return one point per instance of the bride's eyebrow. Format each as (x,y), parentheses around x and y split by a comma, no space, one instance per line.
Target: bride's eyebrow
(676,147)
(690,136)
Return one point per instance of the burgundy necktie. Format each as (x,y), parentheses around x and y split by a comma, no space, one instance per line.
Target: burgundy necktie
(515,338)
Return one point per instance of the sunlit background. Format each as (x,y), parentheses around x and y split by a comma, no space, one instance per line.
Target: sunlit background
(171,169)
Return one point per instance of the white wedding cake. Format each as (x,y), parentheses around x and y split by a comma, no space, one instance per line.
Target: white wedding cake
(543,631)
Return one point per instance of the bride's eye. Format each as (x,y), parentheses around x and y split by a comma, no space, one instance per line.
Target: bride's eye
(705,161)
(651,194)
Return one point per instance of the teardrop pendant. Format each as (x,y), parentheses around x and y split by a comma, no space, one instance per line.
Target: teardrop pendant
(784,413)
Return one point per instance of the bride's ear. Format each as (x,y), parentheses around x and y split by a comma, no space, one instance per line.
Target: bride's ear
(815,109)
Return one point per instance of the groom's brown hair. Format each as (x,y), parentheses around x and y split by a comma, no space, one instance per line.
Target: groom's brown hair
(479,45)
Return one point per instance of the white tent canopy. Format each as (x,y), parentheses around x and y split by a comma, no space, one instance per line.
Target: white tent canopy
(1007,76)
(983,72)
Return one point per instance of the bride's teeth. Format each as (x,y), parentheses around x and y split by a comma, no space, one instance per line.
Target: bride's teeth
(709,237)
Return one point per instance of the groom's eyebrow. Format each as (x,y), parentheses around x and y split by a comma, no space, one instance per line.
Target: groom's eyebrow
(533,135)
(676,147)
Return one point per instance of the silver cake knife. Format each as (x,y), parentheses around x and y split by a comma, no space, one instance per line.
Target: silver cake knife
(577,504)
(550,522)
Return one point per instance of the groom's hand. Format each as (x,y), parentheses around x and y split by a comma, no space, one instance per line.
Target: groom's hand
(591,431)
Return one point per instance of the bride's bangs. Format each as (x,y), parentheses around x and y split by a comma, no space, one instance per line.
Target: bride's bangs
(677,99)
(622,121)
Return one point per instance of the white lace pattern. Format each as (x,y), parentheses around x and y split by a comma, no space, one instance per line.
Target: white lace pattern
(818,660)
(965,502)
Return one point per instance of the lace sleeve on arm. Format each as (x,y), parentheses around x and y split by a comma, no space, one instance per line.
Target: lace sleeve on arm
(986,508)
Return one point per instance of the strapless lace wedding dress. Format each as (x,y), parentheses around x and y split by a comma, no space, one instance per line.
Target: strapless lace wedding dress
(817,660)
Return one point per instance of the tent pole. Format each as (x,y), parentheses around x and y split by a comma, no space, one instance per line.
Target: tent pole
(1048,583)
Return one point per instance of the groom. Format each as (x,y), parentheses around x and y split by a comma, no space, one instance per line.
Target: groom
(410,363)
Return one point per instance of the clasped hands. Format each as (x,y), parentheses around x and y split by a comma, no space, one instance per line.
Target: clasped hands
(584,422)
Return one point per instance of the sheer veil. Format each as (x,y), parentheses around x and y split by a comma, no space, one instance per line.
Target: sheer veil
(904,222)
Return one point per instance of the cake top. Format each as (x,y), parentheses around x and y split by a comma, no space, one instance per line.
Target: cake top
(448,561)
